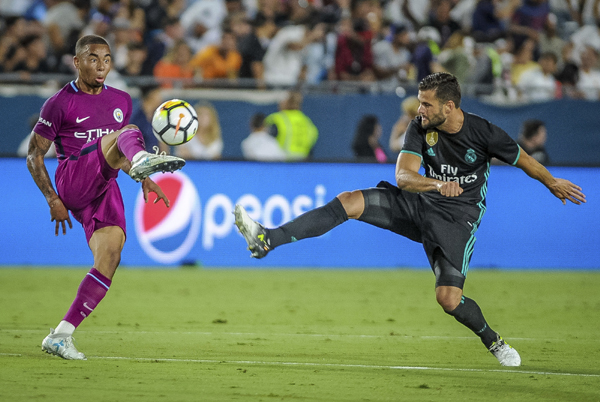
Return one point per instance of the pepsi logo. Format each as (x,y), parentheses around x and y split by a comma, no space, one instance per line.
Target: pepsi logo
(167,235)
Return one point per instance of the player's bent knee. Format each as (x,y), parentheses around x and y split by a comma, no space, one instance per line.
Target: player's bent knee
(353,203)
(130,127)
(448,297)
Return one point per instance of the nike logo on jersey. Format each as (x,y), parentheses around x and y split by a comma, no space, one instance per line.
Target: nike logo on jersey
(78,120)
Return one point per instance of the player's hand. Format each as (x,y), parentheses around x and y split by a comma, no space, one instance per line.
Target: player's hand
(565,190)
(449,189)
(60,214)
(149,186)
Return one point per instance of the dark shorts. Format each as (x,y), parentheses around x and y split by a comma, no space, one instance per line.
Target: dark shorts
(87,186)
(446,234)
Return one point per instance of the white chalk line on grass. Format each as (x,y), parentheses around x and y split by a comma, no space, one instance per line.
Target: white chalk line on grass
(269,334)
(342,365)
(330,365)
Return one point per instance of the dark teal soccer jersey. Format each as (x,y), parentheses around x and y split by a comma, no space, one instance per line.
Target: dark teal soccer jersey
(463,157)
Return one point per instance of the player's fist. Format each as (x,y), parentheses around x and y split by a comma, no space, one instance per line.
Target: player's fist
(449,188)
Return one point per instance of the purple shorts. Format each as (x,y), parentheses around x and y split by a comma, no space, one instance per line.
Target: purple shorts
(87,186)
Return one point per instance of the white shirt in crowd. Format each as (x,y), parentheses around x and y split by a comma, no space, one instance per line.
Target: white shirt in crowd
(282,65)
(210,14)
(387,57)
(261,146)
(589,84)
(588,35)
(537,87)
(198,150)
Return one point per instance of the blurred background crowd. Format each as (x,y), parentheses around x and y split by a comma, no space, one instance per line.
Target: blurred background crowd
(511,50)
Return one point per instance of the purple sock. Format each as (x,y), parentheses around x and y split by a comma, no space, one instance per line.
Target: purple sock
(91,291)
(130,142)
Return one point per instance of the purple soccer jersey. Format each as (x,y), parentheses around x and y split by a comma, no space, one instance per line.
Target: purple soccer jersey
(76,122)
(72,118)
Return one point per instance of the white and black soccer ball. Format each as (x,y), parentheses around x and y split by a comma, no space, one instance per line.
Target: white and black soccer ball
(175,122)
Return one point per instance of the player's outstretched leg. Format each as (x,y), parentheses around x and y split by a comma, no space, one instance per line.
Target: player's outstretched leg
(310,224)
(61,345)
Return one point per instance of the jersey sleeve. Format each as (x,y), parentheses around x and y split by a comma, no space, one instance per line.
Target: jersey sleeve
(413,141)
(503,147)
(50,120)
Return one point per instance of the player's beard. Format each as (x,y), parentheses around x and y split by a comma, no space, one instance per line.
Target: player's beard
(434,121)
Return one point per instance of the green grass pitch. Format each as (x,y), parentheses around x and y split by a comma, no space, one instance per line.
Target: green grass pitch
(300,335)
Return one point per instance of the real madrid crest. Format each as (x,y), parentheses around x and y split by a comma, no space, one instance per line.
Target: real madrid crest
(470,156)
(431,138)
(118,115)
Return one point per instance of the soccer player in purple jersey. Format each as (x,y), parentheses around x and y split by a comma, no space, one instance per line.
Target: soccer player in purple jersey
(87,122)
(442,209)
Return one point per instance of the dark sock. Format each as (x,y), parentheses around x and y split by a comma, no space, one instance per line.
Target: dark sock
(469,314)
(310,224)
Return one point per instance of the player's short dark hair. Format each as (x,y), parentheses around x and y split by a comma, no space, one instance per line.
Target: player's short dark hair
(445,85)
(257,121)
(530,128)
(89,40)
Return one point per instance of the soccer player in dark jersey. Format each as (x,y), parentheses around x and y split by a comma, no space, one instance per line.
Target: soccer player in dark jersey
(442,209)
(88,123)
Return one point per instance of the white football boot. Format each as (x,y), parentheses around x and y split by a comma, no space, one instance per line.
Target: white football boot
(506,355)
(146,163)
(254,233)
(61,345)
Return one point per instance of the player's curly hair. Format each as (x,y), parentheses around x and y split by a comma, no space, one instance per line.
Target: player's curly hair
(89,40)
(446,87)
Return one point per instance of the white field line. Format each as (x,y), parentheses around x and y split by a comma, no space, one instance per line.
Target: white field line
(331,365)
(270,334)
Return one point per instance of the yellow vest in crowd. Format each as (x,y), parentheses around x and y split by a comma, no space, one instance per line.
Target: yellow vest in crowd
(296,132)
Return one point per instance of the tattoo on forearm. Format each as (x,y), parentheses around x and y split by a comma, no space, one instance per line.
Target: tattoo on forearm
(38,146)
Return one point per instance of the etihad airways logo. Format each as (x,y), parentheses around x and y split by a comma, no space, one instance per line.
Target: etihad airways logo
(46,122)
(92,134)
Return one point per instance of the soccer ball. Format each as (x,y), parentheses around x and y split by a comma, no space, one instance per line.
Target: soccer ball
(175,122)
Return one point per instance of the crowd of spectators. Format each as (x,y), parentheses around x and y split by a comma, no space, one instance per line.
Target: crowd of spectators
(520,50)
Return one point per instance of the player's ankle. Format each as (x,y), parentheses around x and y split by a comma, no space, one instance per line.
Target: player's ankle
(65,327)
(138,155)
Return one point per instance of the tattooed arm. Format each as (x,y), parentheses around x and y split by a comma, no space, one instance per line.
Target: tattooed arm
(38,146)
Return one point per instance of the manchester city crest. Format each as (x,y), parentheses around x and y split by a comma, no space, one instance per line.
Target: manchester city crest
(118,115)
(431,138)
(470,156)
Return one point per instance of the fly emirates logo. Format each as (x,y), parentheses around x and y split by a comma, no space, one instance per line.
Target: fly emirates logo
(92,134)
(450,173)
